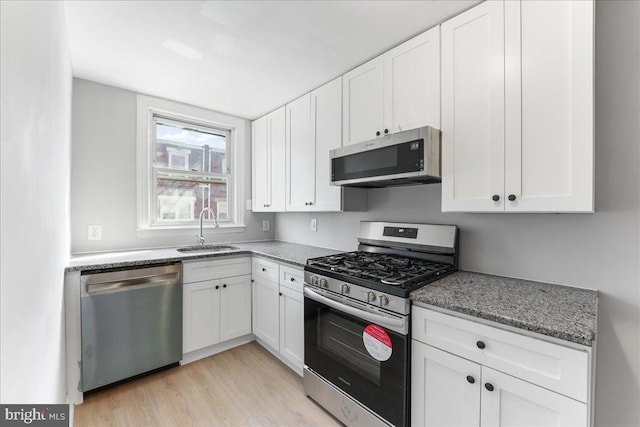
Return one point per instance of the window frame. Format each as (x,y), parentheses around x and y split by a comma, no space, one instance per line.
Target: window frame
(149,110)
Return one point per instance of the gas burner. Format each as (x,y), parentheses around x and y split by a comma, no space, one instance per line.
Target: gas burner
(394,259)
(385,269)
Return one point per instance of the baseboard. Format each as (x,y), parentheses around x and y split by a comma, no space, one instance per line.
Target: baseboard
(215,349)
(276,353)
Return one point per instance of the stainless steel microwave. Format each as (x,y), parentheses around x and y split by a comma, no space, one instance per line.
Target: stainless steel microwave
(404,158)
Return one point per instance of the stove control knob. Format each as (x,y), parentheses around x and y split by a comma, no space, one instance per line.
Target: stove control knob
(371,297)
(344,289)
(323,283)
(383,300)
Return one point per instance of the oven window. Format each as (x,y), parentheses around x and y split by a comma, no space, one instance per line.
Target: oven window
(341,340)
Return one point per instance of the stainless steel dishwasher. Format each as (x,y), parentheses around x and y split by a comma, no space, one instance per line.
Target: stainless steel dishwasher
(131,322)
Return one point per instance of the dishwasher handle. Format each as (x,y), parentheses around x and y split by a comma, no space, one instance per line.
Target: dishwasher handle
(131,284)
(129,280)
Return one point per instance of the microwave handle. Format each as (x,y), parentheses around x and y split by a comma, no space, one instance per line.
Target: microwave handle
(387,322)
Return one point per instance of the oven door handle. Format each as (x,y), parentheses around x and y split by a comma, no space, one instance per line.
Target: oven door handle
(388,322)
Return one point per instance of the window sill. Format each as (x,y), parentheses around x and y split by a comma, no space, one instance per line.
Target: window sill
(183,230)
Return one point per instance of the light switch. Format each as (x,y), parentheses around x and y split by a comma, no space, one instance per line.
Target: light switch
(314,224)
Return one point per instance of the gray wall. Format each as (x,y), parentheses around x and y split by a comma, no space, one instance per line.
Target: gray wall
(35,99)
(103,176)
(598,250)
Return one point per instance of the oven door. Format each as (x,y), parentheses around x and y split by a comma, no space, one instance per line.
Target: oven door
(366,359)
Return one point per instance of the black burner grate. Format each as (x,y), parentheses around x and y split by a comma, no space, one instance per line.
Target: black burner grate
(393,270)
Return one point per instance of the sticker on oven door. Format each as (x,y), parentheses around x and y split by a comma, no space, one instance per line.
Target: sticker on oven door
(377,342)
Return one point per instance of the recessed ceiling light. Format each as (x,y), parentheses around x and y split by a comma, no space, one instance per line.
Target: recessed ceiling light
(181,49)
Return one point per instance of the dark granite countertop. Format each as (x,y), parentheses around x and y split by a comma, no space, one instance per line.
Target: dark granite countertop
(558,311)
(290,253)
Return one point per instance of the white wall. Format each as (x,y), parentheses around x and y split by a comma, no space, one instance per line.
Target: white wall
(35,71)
(103,176)
(598,250)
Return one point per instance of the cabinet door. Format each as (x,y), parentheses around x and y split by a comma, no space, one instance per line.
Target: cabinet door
(265,312)
(326,132)
(363,108)
(260,160)
(514,402)
(200,317)
(549,106)
(445,389)
(277,183)
(412,83)
(235,307)
(300,153)
(473,109)
(292,327)
(268,162)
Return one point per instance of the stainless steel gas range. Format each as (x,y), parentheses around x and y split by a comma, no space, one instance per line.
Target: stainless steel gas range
(356,319)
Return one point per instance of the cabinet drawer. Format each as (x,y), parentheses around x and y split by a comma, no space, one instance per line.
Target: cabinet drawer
(198,271)
(291,277)
(553,366)
(266,269)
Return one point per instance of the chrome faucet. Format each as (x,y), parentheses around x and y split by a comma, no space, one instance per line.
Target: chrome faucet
(215,224)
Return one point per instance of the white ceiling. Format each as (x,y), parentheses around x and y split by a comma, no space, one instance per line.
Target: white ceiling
(244,58)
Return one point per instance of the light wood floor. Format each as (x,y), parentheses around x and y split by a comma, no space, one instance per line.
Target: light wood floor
(239,387)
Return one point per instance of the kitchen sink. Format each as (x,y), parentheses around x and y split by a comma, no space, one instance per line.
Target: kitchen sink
(207,248)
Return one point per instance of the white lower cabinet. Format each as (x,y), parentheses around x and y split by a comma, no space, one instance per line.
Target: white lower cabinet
(235,307)
(215,309)
(292,326)
(509,401)
(455,383)
(200,322)
(448,390)
(278,311)
(265,311)
(440,392)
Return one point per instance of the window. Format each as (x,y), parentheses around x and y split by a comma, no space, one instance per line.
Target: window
(186,159)
(189,170)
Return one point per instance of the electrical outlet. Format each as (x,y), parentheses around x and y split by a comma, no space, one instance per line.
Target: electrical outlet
(94,232)
(314,224)
(266,225)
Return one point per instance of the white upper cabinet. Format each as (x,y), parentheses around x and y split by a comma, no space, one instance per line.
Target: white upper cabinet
(517,108)
(473,109)
(326,132)
(549,106)
(362,104)
(268,160)
(314,127)
(412,83)
(261,169)
(396,91)
(300,155)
